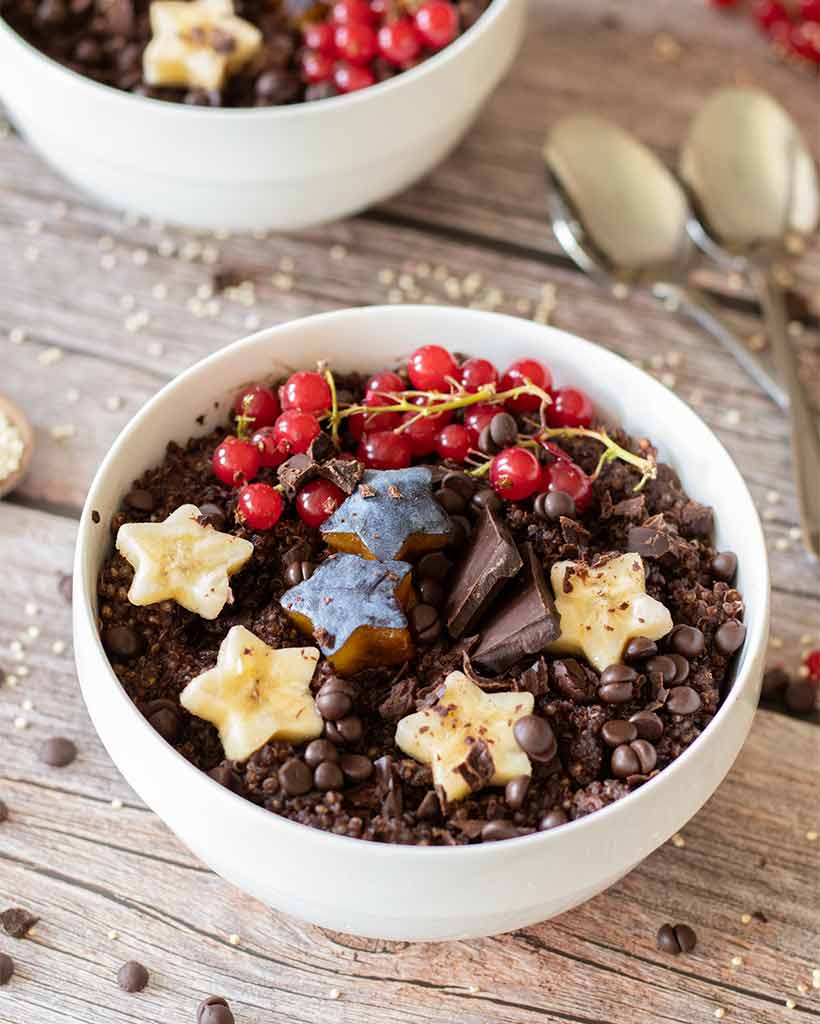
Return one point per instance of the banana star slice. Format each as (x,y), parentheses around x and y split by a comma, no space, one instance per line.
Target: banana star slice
(180,559)
(602,607)
(197,43)
(256,693)
(467,737)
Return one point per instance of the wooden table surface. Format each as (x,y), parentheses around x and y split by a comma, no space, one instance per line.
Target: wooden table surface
(98,310)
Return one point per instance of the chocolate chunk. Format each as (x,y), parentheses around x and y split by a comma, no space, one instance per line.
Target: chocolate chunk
(524,623)
(478,767)
(122,642)
(295,472)
(535,737)
(697,520)
(648,541)
(552,819)
(630,508)
(344,473)
(214,1010)
(724,566)
(6,968)
(132,976)
(491,559)
(730,637)
(574,681)
(295,777)
(17,922)
(58,752)
(429,807)
(400,701)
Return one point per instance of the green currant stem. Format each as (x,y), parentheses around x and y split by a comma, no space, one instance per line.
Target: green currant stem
(439,403)
(612,451)
(243,421)
(334,414)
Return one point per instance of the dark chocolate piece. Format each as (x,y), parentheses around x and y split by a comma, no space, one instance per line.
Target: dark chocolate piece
(522,625)
(491,559)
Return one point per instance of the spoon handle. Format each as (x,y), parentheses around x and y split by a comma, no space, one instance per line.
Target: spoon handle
(805,443)
(698,307)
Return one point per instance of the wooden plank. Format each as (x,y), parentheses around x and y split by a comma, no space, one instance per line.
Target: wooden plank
(88,868)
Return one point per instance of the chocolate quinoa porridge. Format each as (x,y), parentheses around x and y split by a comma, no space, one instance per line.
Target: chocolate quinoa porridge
(246,53)
(429,628)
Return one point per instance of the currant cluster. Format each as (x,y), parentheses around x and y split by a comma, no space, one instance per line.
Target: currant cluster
(793,28)
(342,49)
(465,413)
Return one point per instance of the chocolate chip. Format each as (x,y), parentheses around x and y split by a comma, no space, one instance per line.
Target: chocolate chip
(618,731)
(165,717)
(122,642)
(485,441)
(333,705)
(6,968)
(318,751)
(688,641)
(535,737)
(214,1010)
(425,624)
(451,501)
(460,483)
(552,819)
(95,516)
(663,666)
(356,767)
(487,498)
(667,941)
(648,724)
(555,505)
(724,566)
(328,776)
(503,429)
(624,761)
(17,922)
(646,754)
(345,730)
(212,515)
(616,693)
(461,530)
(298,572)
(515,792)
(140,500)
(434,566)
(775,680)
(295,777)
(495,830)
(639,649)
(801,696)
(431,592)
(132,976)
(225,775)
(683,700)
(729,638)
(336,684)
(687,939)
(58,752)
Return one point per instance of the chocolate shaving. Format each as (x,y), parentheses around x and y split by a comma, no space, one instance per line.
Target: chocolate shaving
(631,508)
(535,679)
(487,683)
(478,766)
(575,681)
(400,701)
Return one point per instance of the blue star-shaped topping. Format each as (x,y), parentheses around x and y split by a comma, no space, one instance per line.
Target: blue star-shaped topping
(392,514)
(347,594)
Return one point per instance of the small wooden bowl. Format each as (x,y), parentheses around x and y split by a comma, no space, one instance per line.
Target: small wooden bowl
(16,417)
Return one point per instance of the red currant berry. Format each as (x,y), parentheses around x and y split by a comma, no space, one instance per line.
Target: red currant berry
(316,67)
(810,10)
(570,408)
(453,443)
(476,418)
(317,501)
(385,450)
(475,374)
(258,404)
(369,423)
(351,78)
(272,452)
(399,41)
(437,23)
(805,41)
(564,475)
(356,42)
(521,371)
(236,461)
(422,431)
(295,430)
(385,381)
(345,12)
(515,474)
(768,13)
(259,506)
(305,391)
(429,367)
(319,37)
(813,664)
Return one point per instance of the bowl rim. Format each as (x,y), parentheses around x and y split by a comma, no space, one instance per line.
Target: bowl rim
(752,651)
(284,112)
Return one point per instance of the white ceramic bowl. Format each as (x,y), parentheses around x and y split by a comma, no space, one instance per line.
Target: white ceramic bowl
(274,167)
(404,892)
